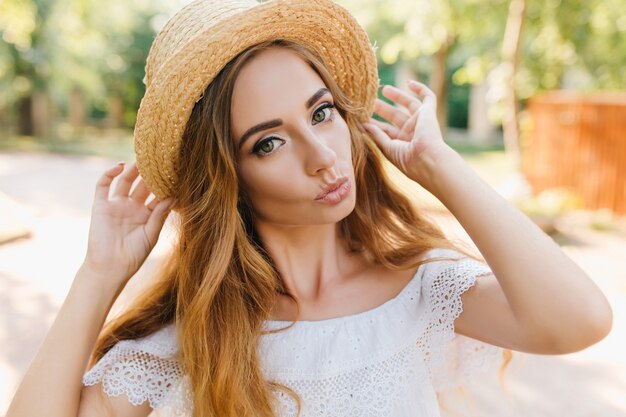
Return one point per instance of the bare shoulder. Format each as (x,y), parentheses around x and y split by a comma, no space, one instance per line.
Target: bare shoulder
(95,403)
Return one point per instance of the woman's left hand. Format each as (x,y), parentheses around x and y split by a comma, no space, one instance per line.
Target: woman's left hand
(412,140)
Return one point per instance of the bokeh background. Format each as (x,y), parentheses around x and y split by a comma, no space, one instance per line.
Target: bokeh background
(532,94)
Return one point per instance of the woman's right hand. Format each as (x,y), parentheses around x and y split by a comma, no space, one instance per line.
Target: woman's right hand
(123,228)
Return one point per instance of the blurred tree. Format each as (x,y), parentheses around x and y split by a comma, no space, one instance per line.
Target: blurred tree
(510,54)
(408,30)
(563,45)
(575,44)
(23,26)
(95,51)
(83,53)
(104,47)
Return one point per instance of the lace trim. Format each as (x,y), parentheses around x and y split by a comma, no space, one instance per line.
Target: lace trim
(452,359)
(144,369)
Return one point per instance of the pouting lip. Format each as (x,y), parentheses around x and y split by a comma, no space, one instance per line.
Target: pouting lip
(332,187)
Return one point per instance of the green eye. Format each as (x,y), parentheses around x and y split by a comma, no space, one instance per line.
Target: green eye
(323,113)
(267,146)
(320,115)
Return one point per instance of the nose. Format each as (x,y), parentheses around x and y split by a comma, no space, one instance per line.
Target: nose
(317,154)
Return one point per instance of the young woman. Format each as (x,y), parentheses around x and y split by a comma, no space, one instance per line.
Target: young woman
(302,282)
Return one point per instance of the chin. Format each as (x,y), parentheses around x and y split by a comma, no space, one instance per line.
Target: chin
(339,211)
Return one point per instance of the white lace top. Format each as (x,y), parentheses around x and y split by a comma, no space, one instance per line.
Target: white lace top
(386,362)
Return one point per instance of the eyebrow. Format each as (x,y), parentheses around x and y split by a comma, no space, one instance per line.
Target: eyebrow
(278,122)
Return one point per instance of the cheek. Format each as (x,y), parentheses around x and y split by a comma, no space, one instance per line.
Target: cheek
(271,183)
(344,148)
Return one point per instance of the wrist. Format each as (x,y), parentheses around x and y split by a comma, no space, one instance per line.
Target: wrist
(107,283)
(90,297)
(434,166)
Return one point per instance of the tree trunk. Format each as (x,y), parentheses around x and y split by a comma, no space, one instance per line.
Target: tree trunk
(439,84)
(510,52)
(76,110)
(41,114)
(25,116)
(481,130)
(115,113)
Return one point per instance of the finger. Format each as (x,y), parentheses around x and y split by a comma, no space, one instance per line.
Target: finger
(104,182)
(153,203)
(393,114)
(140,193)
(423,92)
(157,219)
(390,130)
(402,97)
(406,133)
(125,181)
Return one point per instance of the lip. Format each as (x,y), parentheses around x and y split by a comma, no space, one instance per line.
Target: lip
(335,192)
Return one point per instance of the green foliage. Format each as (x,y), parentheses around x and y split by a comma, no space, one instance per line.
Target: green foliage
(99,48)
(409,29)
(573,44)
(458,101)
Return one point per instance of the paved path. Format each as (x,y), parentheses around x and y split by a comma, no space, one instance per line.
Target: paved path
(56,193)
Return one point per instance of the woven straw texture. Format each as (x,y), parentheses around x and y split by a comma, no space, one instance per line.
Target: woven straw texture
(198,41)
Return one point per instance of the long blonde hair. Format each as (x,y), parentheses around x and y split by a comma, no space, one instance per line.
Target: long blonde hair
(219,284)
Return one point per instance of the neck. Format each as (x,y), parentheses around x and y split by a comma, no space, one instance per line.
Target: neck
(310,259)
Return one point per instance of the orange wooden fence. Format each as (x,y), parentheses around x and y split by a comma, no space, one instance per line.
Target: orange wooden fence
(579,142)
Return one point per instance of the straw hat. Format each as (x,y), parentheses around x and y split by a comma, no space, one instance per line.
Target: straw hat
(199,40)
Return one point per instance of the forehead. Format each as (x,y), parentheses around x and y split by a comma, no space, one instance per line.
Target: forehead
(269,86)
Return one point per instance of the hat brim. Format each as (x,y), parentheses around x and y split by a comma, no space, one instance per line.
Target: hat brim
(324,26)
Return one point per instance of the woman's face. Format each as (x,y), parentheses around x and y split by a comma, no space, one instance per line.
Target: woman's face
(293,145)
